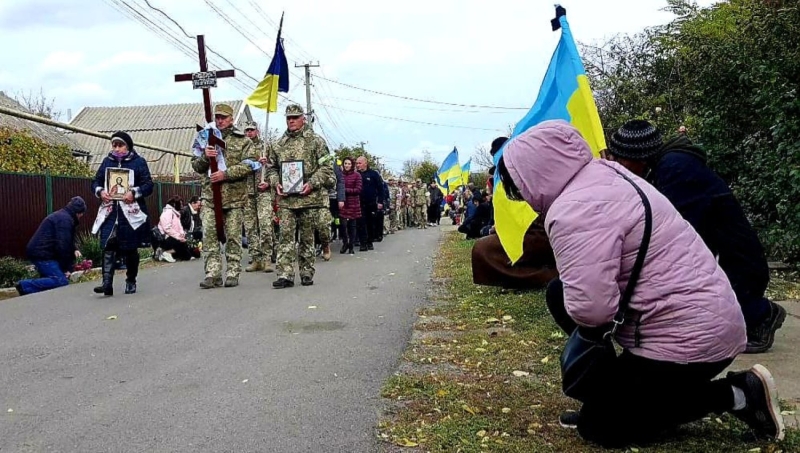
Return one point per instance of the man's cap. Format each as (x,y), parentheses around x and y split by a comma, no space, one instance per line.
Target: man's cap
(77,205)
(636,140)
(294,110)
(250,125)
(223,109)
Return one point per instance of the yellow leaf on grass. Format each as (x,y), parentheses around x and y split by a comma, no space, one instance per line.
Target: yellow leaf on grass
(481,433)
(754,450)
(506,410)
(492,321)
(787,412)
(484,342)
(546,359)
(442,392)
(519,373)
(404,442)
(112,317)
(507,318)
(468,409)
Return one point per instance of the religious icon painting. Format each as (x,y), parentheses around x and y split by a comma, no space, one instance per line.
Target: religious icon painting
(292,176)
(117,182)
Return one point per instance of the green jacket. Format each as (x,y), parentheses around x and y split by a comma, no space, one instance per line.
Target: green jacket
(306,146)
(234,187)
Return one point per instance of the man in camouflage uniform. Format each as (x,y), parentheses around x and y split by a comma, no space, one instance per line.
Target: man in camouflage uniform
(390,220)
(258,211)
(299,210)
(420,195)
(233,185)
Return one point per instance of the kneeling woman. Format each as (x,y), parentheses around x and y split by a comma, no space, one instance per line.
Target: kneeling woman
(683,325)
(122,220)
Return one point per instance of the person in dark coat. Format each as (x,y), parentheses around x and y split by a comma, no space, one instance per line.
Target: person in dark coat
(350,208)
(478,218)
(435,206)
(190,219)
(52,249)
(372,199)
(115,217)
(678,170)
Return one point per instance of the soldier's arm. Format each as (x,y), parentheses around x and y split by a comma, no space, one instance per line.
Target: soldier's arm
(273,168)
(241,170)
(200,164)
(324,174)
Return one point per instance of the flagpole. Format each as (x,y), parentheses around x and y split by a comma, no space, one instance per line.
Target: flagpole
(264,148)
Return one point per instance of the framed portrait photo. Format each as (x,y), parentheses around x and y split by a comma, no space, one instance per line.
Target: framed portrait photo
(118,182)
(292,176)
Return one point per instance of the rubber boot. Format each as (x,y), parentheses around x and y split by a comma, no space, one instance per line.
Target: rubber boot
(107,288)
(132,260)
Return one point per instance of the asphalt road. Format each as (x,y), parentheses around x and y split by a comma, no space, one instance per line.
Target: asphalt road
(180,369)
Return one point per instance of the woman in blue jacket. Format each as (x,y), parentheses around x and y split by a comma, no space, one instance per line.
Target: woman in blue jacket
(123,225)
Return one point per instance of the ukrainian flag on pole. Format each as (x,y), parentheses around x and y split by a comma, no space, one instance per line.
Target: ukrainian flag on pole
(465,172)
(564,94)
(449,174)
(265,96)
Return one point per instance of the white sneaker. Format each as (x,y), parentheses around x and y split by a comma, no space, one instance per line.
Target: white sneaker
(166,256)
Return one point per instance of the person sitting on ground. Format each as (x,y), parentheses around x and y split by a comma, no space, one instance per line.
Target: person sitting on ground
(683,326)
(52,250)
(678,170)
(174,246)
(478,217)
(190,218)
(534,270)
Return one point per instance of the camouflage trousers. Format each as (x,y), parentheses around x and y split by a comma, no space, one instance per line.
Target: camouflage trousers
(324,220)
(405,219)
(390,221)
(303,221)
(420,216)
(258,227)
(211,247)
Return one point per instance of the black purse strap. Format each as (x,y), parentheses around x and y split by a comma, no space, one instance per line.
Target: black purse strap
(625,300)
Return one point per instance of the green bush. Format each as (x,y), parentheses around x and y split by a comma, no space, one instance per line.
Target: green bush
(89,245)
(13,270)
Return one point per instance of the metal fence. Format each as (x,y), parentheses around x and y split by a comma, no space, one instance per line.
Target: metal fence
(26,199)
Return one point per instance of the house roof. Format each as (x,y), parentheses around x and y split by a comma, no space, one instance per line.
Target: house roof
(170,126)
(48,134)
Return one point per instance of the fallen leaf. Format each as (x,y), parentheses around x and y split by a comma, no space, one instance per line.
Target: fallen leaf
(492,321)
(10,411)
(754,450)
(312,307)
(245,381)
(484,342)
(556,335)
(505,410)
(634,450)
(391,273)
(546,359)
(719,421)
(442,392)
(507,318)
(112,317)
(531,432)
(519,373)
(787,413)
(468,409)
(481,433)
(404,442)
(480,350)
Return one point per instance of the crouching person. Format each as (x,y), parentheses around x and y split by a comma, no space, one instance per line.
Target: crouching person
(618,242)
(52,249)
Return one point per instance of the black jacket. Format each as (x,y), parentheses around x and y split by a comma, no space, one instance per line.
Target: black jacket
(372,188)
(708,204)
(55,239)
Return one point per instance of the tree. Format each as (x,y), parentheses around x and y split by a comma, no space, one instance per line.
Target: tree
(374,161)
(38,104)
(426,171)
(20,152)
(479,179)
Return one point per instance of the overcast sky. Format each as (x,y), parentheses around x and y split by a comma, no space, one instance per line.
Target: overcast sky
(475,52)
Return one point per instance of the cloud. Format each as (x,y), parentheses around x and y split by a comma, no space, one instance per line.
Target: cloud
(135,57)
(26,14)
(61,61)
(387,51)
(86,90)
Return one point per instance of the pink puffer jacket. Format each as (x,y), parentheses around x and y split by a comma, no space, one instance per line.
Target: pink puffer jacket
(595,220)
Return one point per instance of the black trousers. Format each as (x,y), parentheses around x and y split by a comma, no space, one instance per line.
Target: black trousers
(182,251)
(367,223)
(349,231)
(644,397)
(131,258)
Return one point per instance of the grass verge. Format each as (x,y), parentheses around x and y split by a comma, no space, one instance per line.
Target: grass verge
(481,374)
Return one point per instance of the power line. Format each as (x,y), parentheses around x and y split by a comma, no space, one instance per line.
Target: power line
(410,121)
(431,109)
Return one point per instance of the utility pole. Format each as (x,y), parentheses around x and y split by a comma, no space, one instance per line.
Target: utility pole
(309,112)
(362,145)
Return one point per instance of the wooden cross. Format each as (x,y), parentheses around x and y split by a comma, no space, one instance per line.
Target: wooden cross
(206,80)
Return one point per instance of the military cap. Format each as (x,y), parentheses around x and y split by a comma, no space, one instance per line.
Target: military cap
(223,109)
(294,110)
(250,125)
(419,181)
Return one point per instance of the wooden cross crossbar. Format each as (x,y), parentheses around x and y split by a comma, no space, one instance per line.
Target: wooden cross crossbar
(206,80)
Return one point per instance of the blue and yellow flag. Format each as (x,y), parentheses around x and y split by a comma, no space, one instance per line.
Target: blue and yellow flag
(449,174)
(564,94)
(465,172)
(265,96)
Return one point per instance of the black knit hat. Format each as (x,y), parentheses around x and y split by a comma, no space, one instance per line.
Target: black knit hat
(636,140)
(125,138)
(497,144)
(77,205)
